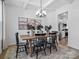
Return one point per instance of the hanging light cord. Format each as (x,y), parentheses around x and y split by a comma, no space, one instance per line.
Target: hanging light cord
(41,6)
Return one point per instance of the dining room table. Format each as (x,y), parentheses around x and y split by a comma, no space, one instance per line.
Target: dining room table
(30,38)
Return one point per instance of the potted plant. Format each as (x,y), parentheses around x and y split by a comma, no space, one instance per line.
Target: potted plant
(39,27)
(47,28)
(30,27)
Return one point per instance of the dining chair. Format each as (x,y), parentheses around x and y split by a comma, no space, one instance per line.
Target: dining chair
(52,42)
(21,46)
(49,43)
(39,45)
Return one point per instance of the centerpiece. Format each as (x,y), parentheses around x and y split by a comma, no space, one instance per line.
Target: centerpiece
(30,27)
(48,28)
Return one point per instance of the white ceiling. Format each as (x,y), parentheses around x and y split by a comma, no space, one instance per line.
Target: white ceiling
(24,3)
(48,4)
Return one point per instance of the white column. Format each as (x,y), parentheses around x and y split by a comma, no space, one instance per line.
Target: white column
(0,25)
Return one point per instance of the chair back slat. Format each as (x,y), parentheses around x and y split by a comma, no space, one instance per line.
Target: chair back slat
(17,39)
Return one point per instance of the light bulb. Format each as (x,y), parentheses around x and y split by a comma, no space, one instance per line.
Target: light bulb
(41,13)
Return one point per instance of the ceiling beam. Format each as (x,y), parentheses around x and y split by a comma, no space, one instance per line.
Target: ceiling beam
(48,3)
(25,3)
(34,4)
(44,5)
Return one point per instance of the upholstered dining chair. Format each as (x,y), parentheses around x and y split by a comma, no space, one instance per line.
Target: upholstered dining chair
(39,45)
(21,46)
(52,42)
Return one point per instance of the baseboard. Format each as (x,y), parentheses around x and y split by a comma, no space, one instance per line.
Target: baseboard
(73,48)
(11,45)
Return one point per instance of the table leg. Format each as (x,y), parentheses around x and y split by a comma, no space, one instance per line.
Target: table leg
(30,48)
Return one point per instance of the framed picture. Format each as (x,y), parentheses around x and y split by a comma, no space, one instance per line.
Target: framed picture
(22,23)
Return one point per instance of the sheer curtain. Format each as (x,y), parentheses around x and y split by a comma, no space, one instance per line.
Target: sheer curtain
(0,24)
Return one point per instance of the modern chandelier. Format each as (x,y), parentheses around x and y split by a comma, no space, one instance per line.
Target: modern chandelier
(41,12)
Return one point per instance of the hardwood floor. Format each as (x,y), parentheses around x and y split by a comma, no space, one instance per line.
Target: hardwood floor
(76,57)
(63,43)
(3,54)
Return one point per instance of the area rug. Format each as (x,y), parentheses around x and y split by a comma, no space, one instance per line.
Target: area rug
(62,53)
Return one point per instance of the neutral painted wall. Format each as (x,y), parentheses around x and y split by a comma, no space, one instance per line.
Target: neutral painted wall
(74,25)
(12,14)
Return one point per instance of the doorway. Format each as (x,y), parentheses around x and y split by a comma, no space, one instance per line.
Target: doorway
(63,27)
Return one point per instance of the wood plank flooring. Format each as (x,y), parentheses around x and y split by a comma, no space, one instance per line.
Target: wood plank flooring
(62,44)
(3,54)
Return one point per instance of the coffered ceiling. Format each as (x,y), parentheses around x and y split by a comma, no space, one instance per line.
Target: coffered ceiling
(24,3)
(47,4)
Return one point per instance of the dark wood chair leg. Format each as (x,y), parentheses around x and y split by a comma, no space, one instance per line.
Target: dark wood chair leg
(44,50)
(26,50)
(56,44)
(33,50)
(50,49)
(56,47)
(17,51)
(40,49)
(37,53)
